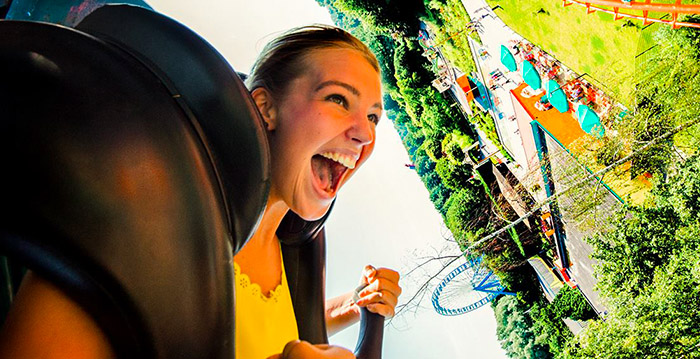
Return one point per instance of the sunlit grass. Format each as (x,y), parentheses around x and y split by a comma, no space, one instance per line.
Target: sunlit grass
(451,37)
(594,44)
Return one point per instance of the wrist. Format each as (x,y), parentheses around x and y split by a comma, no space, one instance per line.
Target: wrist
(344,308)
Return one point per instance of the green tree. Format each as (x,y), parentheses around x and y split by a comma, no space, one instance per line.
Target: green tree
(455,175)
(656,251)
(433,146)
(570,303)
(550,330)
(666,96)
(452,150)
(400,16)
(682,192)
(424,164)
(412,78)
(514,330)
(467,214)
(653,119)
(628,255)
(439,195)
(661,322)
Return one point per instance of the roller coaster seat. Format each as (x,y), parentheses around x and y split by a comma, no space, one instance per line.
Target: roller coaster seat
(136,165)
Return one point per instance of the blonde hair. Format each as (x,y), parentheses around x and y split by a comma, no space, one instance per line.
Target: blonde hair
(281,61)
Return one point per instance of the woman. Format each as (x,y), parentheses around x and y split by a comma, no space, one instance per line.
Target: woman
(319,93)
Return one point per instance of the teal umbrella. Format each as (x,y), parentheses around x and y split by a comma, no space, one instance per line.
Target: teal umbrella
(556,96)
(530,75)
(508,60)
(589,121)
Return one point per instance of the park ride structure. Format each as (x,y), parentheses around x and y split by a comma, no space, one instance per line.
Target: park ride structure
(648,11)
(469,286)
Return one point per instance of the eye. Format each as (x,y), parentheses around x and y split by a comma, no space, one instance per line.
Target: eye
(339,99)
(373,118)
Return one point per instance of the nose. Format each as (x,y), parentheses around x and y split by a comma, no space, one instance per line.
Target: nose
(362,130)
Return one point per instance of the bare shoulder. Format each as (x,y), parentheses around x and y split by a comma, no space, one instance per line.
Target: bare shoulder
(45,323)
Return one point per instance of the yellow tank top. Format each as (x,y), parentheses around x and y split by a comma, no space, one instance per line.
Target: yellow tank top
(264,323)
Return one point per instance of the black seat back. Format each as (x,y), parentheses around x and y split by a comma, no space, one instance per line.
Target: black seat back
(128,187)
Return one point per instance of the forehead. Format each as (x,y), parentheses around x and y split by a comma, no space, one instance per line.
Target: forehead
(342,64)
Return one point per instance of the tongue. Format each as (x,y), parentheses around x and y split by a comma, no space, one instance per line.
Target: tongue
(323,169)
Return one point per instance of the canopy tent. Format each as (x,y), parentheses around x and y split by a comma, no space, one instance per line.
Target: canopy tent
(468,86)
(589,121)
(507,59)
(556,96)
(531,76)
(480,95)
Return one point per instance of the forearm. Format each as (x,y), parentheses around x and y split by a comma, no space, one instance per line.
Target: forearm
(341,313)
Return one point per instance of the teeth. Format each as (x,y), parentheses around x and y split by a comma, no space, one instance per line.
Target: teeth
(344,160)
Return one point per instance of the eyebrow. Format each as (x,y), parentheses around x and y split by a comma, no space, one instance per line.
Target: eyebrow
(338,83)
(346,86)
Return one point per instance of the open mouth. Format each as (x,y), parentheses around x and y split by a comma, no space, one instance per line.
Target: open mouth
(329,170)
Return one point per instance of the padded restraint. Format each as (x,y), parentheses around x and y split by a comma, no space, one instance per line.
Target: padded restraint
(113,186)
(304,251)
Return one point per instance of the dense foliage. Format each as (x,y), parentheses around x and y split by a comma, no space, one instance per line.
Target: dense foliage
(514,330)
(551,330)
(456,175)
(665,96)
(570,303)
(650,271)
(467,216)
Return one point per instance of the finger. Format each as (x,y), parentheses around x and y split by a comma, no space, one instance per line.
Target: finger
(379,297)
(381,309)
(381,285)
(276,356)
(368,274)
(336,352)
(389,274)
(291,348)
(301,349)
(375,297)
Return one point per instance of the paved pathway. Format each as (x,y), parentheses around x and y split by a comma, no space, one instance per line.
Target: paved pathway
(494,33)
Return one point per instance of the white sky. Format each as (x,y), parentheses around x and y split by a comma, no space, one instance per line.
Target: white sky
(383,216)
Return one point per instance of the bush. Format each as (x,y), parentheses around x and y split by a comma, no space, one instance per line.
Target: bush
(454,175)
(610,152)
(467,214)
(453,150)
(570,303)
(439,195)
(549,328)
(514,330)
(423,163)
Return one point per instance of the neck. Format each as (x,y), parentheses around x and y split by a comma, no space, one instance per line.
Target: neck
(259,258)
(272,217)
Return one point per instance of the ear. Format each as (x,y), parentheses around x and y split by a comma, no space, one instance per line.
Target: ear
(266,106)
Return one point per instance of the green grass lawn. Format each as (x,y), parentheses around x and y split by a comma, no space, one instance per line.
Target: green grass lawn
(451,36)
(587,43)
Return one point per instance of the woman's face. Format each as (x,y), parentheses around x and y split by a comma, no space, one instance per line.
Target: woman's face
(323,129)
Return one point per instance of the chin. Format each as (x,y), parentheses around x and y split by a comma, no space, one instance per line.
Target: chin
(312,213)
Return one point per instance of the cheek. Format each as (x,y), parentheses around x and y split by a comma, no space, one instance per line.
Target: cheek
(367,151)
